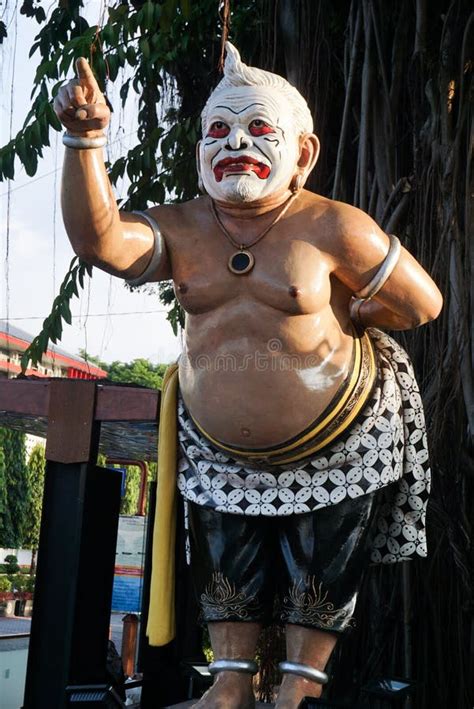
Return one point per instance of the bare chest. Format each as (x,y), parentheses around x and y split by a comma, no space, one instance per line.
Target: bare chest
(290,273)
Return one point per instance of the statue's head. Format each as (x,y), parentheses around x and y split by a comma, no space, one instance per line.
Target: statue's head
(257,135)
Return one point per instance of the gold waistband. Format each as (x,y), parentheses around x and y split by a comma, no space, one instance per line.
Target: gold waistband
(335,419)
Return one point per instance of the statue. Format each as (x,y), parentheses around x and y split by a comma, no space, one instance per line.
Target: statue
(301,433)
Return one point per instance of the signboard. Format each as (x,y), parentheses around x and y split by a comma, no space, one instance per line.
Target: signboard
(129,562)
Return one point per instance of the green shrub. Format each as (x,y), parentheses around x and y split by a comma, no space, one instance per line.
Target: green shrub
(30,584)
(19,582)
(12,566)
(5,584)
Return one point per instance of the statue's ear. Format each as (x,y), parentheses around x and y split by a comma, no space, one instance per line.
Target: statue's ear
(309,152)
(198,167)
(198,161)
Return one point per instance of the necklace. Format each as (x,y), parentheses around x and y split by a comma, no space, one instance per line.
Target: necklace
(243,260)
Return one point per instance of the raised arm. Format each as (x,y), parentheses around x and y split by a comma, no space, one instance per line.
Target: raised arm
(120,243)
(408,298)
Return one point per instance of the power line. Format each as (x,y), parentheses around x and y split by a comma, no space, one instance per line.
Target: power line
(51,172)
(95,315)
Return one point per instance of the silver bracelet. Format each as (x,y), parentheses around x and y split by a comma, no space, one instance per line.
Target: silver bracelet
(355,310)
(158,251)
(385,270)
(306,671)
(77,143)
(248,667)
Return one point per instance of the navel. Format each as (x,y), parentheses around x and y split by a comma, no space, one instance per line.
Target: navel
(182,288)
(245,432)
(294,291)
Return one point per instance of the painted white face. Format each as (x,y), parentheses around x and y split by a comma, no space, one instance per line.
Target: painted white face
(250,147)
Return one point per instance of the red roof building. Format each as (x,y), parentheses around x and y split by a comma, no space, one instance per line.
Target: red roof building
(56,362)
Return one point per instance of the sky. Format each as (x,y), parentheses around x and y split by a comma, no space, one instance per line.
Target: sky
(108,320)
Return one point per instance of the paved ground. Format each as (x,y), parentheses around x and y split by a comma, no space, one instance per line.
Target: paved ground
(14,626)
(11,627)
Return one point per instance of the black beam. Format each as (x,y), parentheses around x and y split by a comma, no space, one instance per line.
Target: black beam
(76,556)
(70,625)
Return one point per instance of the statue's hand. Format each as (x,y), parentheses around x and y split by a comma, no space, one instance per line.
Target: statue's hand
(80,105)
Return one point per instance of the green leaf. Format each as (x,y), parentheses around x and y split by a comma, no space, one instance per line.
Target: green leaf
(121,55)
(45,69)
(33,49)
(41,344)
(40,15)
(57,328)
(9,163)
(36,140)
(21,150)
(66,62)
(44,130)
(31,163)
(131,57)
(148,15)
(113,65)
(52,118)
(186,8)
(66,312)
(25,359)
(145,47)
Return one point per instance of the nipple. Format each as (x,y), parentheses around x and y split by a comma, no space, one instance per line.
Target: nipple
(294,291)
(182,288)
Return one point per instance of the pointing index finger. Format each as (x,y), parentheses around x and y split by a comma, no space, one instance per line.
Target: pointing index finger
(84,72)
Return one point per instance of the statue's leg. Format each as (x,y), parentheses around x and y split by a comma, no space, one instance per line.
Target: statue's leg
(231,555)
(231,690)
(325,556)
(307,646)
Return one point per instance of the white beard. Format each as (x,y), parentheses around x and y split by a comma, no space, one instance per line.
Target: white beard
(242,189)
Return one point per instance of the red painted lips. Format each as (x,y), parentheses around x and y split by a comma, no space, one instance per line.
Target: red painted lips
(243,163)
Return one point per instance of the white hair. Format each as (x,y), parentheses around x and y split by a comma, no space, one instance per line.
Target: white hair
(236,73)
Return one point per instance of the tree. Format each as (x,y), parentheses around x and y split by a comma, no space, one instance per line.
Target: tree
(14,516)
(140,371)
(3,498)
(36,473)
(129,504)
(390,85)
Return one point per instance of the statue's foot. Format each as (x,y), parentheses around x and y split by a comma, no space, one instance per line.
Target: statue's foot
(230,690)
(293,689)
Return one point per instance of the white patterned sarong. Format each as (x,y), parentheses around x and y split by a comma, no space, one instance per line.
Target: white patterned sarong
(385,448)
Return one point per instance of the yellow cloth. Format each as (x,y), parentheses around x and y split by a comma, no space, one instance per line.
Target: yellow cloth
(161,615)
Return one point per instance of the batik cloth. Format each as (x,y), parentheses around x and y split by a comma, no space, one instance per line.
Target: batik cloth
(386,444)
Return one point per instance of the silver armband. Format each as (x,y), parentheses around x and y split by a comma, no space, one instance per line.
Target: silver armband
(158,252)
(385,270)
(77,142)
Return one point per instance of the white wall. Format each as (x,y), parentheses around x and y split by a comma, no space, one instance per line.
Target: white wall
(23,556)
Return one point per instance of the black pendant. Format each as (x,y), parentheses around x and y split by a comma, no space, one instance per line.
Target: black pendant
(241,262)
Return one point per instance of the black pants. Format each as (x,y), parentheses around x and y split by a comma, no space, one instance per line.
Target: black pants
(305,569)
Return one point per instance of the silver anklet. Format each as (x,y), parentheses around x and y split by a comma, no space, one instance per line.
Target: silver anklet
(306,671)
(246,666)
(78,143)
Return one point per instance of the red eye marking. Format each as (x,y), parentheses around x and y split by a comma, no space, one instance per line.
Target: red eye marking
(218,129)
(259,127)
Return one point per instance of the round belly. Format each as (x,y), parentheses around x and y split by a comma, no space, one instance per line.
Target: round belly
(258,392)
